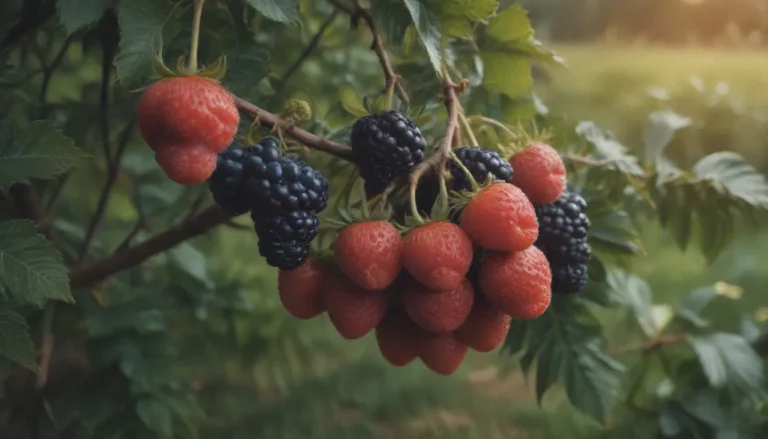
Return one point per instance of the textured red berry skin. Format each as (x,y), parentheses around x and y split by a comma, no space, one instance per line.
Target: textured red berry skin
(300,290)
(438,255)
(539,173)
(500,217)
(353,311)
(485,328)
(519,284)
(186,164)
(369,253)
(187,110)
(438,312)
(396,337)
(441,353)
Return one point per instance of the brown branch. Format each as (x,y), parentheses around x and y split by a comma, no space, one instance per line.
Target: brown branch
(651,345)
(313,44)
(89,274)
(287,128)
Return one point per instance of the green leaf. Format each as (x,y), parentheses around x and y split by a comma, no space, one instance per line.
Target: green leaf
(659,131)
(283,11)
(608,149)
(156,416)
(511,25)
(30,267)
(506,73)
(76,14)
(141,29)
(429,29)
(730,174)
(246,69)
(38,151)
(636,295)
(15,343)
(728,359)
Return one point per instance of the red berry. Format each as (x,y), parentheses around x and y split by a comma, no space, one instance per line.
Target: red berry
(187,111)
(485,328)
(438,255)
(369,253)
(396,336)
(354,311)
(442,353)
(539,173)
(500,217)
(186,164)
(435,311)
(519,284)
(299,290)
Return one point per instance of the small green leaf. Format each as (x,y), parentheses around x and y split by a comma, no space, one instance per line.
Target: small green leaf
(728,359)
(393,19)
(283,11)
(636,295)
(507,73)
(15,343)
(429,29)
(609,149)
(141,29)
(659,131)
(37,151)
(246,68)
(76,14)
(511,25)
(352,102)
(156,416)
(31,269)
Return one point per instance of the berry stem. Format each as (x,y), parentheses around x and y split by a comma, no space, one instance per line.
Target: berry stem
(194,41)
(494,123)
(468,129)
(460,164)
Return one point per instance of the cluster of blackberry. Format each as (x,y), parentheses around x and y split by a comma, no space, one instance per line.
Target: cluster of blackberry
(563,230)
(283,194)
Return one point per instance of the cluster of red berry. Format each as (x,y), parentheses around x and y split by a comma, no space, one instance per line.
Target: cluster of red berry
(444,287)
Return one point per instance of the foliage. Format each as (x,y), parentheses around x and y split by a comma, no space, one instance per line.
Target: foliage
(190,342)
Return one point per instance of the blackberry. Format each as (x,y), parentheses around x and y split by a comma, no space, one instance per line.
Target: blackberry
(227,182)
(574,250)
(300,226)
(278,185)
(284,255)
(569,278)
(386,146)
(479,162)
(562,223)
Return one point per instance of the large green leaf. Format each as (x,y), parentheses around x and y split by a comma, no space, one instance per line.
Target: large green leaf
(729,360)
(429,29)
(566,343)
(393,20)
(30,268)
(36,151)
(506,73)
(76,14)
(608,149)
(730,174)
(15,343)
(284,11)
(246,68)
(141,29)
(511,25)
(659,131)
(156,416)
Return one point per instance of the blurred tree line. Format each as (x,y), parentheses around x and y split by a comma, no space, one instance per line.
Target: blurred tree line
(664,21)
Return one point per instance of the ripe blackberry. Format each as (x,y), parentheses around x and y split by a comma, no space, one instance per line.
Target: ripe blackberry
(574,250)
(562,223)
(300,226)
(569,278)
(284,255)
(227,182)
(279,185)
(386,147)
(479,162)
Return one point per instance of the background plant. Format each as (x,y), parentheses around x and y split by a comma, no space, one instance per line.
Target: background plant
(132,309)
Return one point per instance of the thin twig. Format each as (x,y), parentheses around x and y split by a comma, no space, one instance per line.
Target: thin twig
(49,70)
(46,346)
(310,140)
(581,160)
(652,345)
(440,157)
(313,44)
(107,53)
(88,274)
(55,196)
(112,173)
(140,223)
